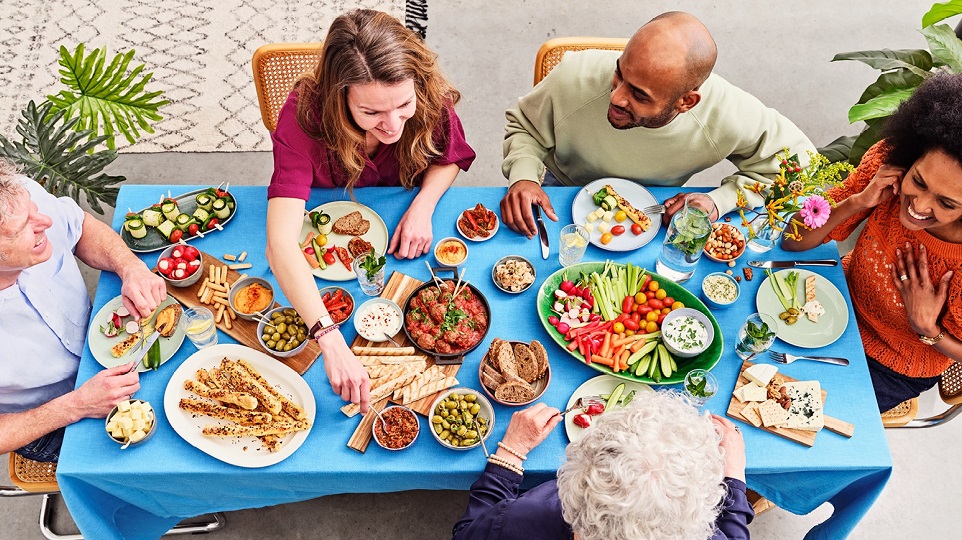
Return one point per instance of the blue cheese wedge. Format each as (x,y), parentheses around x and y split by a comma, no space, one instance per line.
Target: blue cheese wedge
(805,411)
(760,374)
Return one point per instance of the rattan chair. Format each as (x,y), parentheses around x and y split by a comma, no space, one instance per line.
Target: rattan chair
(276,66)
(551,52)
(950,390)
(31,477)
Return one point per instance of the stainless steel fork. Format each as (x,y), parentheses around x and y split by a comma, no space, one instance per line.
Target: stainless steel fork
(653,209)
(785,358)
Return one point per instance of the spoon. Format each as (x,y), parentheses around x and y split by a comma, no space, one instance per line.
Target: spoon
(389,338)
(582,403)
(384,423)
(483,447)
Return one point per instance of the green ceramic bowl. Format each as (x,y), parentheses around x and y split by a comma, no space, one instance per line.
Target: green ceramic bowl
(706,360)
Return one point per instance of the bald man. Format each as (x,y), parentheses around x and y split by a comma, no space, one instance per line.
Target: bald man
(654,114)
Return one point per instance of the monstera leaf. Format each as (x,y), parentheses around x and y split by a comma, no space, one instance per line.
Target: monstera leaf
(106,96)
(61,158)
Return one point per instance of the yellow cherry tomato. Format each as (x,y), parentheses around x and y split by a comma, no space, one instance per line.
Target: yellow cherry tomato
(666,310)
(606,238)
(640,298)
(677,305)
(629,332)
(618,327)
(321,240)
(652,315)
(620,216)
(653,286)
(661,294)
(651,327)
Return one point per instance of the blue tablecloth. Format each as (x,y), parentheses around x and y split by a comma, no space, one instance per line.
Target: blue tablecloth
(142,491)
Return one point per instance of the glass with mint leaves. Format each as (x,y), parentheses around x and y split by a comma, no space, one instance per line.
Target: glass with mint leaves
(756,335)
(700,386)
(686,236)
(370,272)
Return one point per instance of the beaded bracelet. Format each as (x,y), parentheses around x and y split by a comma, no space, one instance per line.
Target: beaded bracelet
(501,462)
(321,334)
(512,451)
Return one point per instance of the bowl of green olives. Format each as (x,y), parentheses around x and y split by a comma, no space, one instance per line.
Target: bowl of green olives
(460,417)
(282,332)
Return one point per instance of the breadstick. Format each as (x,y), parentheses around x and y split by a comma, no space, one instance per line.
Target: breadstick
(276,428)
(291,408)
(240,399)
(213,410)
(383,351)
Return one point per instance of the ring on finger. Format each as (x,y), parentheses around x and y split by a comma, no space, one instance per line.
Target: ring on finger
(904,277)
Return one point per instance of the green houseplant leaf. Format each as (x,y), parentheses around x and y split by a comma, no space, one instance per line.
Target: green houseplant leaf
(891,81)
(838,150)
(868,137)
(941,11)
(879,106)
(106,96)
(918,61)
(61,158)
(945,45)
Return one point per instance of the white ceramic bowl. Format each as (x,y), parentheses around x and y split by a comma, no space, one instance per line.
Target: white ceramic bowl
(377,422)
(150,431)
(361,320)
(487,412)
(502,260)
(446,261)
(187,281)
(240,284)
(718,303)
(689,312)
(262,325)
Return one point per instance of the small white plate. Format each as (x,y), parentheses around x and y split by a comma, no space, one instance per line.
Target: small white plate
(376,235)
(497,225)
(602,384)
(634,193)
(100,344)
(362,309)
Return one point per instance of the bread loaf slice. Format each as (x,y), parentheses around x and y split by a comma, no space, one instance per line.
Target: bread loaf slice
(352,224)
(515,392)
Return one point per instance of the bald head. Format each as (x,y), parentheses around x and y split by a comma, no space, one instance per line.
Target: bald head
(678,47)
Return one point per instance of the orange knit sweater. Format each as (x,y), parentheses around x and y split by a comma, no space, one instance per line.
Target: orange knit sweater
(886,334)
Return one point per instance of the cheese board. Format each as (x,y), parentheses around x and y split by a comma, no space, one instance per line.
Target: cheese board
(397,289)
(801,436)
(244,331)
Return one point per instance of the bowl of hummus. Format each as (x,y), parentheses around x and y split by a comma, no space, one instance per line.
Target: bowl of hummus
(251,296)
(451,252)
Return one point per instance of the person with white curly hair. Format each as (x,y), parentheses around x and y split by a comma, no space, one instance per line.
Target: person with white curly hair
(656,469)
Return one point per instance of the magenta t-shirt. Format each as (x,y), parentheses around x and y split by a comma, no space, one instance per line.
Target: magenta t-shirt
(301,162)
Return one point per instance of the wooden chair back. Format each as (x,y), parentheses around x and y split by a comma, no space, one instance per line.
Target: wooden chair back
(276,67)
(552,50)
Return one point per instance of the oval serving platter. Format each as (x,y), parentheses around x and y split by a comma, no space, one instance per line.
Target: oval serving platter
(154,241)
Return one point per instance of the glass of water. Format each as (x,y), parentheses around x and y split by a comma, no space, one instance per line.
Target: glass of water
(756,335)
(198,324)
(700,386)
(686,236)
(574,242)
(370,286)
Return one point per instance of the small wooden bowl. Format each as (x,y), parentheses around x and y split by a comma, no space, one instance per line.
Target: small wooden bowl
(540,385)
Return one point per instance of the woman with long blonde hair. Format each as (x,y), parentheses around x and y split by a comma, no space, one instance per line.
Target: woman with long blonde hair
(376,112)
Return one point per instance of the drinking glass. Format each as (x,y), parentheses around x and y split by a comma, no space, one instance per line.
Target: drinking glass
(756,335)
(685,238)
(574,242)
(370,287)
(198,324)
(697,392)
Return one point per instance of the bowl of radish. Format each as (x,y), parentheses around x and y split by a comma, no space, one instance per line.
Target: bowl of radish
(180,265)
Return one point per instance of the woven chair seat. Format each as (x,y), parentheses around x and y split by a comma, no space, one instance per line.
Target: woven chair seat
(33,476)
(950,385)
(901,414)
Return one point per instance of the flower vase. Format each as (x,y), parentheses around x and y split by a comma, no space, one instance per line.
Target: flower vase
(766,237)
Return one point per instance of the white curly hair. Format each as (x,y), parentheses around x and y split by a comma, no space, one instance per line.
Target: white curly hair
(652,470)
(11,189)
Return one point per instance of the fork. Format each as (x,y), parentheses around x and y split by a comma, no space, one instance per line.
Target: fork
(785,358)
(581,403)
(654,209)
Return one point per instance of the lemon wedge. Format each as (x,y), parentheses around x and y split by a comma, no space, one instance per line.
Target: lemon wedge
(199,327)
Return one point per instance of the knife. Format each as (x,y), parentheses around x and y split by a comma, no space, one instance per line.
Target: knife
(542,231)
(792,264)
(142,347)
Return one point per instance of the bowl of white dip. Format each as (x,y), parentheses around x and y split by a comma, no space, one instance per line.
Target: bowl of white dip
(377,319)
(686,332)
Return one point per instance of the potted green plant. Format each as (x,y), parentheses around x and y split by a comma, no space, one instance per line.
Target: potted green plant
(60,145)
(903,70)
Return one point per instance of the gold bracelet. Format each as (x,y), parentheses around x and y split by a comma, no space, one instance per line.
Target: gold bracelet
(501,462)
(512,451)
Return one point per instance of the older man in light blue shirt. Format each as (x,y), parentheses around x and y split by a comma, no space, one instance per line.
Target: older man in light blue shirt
(44,309)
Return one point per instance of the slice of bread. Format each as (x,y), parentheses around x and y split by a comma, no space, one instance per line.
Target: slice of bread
(541,355)
(358,246)
(527,364)
(352,224)
(515,392)
(505,360)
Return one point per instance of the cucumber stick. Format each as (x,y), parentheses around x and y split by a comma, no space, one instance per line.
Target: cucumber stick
(615,396)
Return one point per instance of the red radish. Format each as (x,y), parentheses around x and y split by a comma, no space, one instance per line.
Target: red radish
(582,420)
(552,320)
(191,253)
(193,265)
(566,286)
(116,320)
(132,327)
(309,250)
(563,327)
(122,311)
(177,253)
(166,266)
(178,274)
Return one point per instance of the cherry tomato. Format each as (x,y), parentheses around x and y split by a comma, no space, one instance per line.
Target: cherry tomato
(629,332)
(618,327)
(668,300)
(193,229)
(651,327)
(645,309)
(656,303)
(618,230)
(621,318)
(329,258)
(212,224)
(661,318)
(176,235)
(677,305)
(627,304)
(640,298)
(661,294)
(607,237)
(631,325)
(636,228)
(620,216)
(650,294)
(635,317)
(653,286)
(652,316)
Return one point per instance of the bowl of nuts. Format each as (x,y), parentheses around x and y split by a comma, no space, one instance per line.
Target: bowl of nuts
(726,243)
(282,332)
(460,417)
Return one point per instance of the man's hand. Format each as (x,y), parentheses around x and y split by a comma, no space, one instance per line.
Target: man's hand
(516,207)
(677,202)
(96,397)
(347,376)
(142,291)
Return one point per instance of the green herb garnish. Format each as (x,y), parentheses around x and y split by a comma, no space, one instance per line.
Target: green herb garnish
(758,332)
(372,264)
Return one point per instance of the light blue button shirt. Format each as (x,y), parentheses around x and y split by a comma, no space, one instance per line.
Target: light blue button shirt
(43,317)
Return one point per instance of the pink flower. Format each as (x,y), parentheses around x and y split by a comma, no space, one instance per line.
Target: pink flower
(815,211)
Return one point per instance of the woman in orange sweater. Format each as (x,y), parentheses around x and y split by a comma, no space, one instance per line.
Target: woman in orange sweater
(908,191)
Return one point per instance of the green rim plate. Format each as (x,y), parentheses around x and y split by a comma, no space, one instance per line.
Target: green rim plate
(706,360)
(805,333)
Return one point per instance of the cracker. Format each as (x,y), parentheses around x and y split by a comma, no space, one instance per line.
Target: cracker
(773,415)
(750,413)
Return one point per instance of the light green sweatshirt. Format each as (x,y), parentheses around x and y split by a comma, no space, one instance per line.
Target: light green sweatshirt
(563,124)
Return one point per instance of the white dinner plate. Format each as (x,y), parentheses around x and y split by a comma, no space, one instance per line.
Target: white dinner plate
(240,451)
(100,344)
(805,333)
(602,384)
(634,193)
(376,235)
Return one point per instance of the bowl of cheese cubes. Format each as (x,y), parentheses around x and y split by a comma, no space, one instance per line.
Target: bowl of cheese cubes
(132,421)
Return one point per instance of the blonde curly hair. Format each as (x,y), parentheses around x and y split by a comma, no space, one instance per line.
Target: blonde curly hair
(653,470)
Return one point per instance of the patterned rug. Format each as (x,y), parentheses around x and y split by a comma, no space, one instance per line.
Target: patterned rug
(198,50)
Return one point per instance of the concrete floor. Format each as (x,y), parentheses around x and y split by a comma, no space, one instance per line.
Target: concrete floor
(772,49)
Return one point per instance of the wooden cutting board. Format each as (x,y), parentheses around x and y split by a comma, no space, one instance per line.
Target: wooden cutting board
(800,436)
(245,332)
(397,289)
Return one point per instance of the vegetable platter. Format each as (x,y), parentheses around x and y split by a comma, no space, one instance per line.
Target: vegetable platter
(598,324)
(172,219)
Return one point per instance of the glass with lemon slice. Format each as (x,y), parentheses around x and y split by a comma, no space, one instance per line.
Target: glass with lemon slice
(198,324)
(574,242)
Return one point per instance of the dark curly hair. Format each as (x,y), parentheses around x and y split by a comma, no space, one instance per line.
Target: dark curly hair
(929,120)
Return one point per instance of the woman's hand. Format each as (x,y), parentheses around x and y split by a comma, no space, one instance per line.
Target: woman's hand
(734,446)
(412,237)
(884,185)
(347,376)
(923,300)
(529,427)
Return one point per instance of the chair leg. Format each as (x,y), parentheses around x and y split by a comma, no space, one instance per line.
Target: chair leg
(46,517)
(218,522)
(936,420)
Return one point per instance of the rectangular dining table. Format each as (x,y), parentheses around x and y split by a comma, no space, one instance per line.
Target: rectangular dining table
(142,491)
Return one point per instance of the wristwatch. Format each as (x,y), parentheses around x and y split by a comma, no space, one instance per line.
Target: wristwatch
(324,322)
(931,340)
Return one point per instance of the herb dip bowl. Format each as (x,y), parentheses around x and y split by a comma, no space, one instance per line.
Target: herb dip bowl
(713,289)
(675,334)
